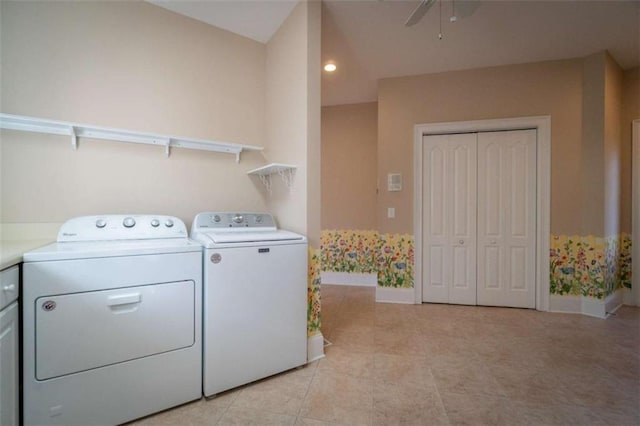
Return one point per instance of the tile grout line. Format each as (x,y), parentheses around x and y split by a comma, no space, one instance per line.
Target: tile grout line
(313,377)
(439,396)
(226,409)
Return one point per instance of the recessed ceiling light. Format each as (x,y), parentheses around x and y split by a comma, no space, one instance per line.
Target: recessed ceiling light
(330,67)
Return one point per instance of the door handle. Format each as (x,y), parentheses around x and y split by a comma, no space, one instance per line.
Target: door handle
(124,299)
(10,287)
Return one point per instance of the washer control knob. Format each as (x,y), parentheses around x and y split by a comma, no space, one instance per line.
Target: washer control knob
(238,218)
(259,218)
(101,223)
(155,223)
(169,223)
(129,222)
(216,218)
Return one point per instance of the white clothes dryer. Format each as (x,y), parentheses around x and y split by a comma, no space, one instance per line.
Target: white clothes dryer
(112,321)
(255,298)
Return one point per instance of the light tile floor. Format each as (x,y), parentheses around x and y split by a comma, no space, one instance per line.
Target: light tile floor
(444,364)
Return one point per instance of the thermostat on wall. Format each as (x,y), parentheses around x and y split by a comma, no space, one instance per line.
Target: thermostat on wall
(394,182)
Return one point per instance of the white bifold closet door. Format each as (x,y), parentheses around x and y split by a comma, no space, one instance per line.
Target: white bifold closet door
(479,218)
(507,218)
(449,218)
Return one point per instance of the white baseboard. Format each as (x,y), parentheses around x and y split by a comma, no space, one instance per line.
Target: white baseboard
(627,297)
(614,301)
(349,278)
(315,347)
(594,307)
(395,295)
(586,305)
(565,304)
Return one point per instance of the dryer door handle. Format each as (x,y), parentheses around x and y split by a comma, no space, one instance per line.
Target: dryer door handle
(124,299)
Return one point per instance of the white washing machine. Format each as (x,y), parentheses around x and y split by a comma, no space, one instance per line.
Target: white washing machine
(255,298)
(112,321)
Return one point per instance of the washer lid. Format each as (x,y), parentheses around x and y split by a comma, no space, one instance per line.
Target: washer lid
(95,249)
(236,237)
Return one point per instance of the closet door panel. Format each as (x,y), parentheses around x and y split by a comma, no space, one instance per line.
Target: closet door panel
(435,258)
(491,272)
(449,218)
(490,193)
(463,210)
(518,269)
(490,217)
(506,218)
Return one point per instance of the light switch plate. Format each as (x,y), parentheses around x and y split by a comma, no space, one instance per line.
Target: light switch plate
(394,182)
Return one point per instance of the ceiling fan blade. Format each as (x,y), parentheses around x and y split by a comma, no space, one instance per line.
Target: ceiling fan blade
(465,9)
(420,11)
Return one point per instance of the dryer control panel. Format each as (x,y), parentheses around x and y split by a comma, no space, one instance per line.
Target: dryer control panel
(121,227)
(221,220)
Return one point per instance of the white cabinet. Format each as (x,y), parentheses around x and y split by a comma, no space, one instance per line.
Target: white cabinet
(9,347)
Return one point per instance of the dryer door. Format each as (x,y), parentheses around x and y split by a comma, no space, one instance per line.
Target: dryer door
(82,331)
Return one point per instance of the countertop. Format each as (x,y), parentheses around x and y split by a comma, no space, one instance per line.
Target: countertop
(11,251)
(18,238)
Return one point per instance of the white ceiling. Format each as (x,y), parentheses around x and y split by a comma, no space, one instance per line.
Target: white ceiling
(368,40)
(256,19)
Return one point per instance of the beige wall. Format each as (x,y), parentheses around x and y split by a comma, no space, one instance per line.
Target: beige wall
(602,169)
(547,88)
(349,166)
(612,146)
(591,183)
(293,118)
(630,112)
(314,118)
(135,66)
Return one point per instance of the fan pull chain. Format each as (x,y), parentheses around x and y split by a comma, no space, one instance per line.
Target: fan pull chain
(440,33)
(453,18)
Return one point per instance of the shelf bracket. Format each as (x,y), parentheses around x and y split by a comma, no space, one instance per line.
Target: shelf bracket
(74,138)
(238,156)
(265,173)
(287,176)
(167,148)
(266,181)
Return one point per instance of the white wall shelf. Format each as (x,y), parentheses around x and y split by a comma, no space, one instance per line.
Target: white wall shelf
(75,131)
(286,172)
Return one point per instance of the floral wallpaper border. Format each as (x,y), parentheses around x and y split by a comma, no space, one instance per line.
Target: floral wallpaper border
(313,293)
(579,265)
(395,260)
(390,256)
(589,266)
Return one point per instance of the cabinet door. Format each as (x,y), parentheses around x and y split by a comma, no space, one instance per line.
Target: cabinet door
(9,365)
(507,218)
(9,286)
(449,219)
